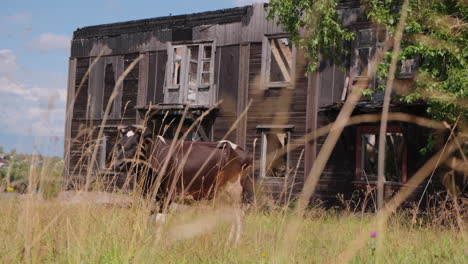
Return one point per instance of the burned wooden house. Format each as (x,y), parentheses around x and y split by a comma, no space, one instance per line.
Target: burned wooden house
(241,68)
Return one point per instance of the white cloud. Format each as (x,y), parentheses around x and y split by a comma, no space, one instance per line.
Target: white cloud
(50,41)
(248,2)
(29,109)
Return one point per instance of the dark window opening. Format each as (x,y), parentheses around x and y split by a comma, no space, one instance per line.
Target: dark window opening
(367,43)
(109,83)
(367,155)
(130,88)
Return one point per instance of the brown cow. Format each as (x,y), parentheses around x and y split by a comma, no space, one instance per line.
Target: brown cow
(201,170)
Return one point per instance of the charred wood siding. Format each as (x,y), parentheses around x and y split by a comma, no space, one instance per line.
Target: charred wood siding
(156,75)
(152,71)
(277,106)
(332,81)
(130,89)
(109,83)
(181,21)
(228,83)
(77,139)
(340,168)
(81,95)
(160,75)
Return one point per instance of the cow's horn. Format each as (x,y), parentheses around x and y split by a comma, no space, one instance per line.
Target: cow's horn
(138,127)
(120,127)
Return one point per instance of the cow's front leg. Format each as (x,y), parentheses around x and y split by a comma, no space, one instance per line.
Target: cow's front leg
(234,193)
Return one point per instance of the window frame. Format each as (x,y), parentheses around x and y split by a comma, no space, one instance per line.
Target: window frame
(184,85)
(266,63)
(361,130)
(273,129)
(373,46)
(109,131)
(96,87)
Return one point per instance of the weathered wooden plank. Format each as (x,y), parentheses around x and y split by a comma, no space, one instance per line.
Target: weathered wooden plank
(228,83)
(160,76)
(69,113)
(243,93)
(130,88)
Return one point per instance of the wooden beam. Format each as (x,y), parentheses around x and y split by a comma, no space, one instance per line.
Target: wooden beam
(313,95)
(69,117)
(142,83)
(275,50)
(242,93)
(200,130)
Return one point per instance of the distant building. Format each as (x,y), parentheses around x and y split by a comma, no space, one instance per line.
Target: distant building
(3,162)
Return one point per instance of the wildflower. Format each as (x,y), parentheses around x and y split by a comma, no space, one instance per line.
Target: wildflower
(264,254)
(9,189)
(373,234)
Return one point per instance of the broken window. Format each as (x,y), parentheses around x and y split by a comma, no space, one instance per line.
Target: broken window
(278,62)
(177,62)
(102,80)
(366,44)
(107,145)
(368,151)
(190,74)
(274,152)
(109,83)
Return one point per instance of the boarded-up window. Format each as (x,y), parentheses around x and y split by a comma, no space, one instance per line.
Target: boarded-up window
(278,62)
(189,77)
(395,155)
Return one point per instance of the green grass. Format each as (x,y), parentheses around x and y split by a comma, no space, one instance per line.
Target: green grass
(48,231)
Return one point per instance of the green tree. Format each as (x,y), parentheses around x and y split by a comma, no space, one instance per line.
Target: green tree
(435,34)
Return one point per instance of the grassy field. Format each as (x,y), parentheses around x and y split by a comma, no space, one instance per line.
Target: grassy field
(33,230)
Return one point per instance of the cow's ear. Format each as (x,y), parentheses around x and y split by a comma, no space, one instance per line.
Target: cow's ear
(122,129)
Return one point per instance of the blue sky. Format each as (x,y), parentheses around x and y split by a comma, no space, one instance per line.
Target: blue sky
(34,50)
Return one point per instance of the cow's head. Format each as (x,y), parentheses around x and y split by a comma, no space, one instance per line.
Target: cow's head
(126,146)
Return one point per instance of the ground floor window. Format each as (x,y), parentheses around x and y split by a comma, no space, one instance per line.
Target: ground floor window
(107,144)
(367,148)
(274,158)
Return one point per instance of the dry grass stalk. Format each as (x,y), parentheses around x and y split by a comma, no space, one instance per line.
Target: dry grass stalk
(383,124)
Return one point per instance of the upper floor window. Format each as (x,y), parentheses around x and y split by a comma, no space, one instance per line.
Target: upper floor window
(365,46)
(278,58)
(189,77)
(102,80)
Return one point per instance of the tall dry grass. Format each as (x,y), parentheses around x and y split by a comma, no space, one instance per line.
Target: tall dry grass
(57,231)
(115,227)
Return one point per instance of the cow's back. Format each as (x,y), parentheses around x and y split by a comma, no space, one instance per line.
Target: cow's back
(197,169)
